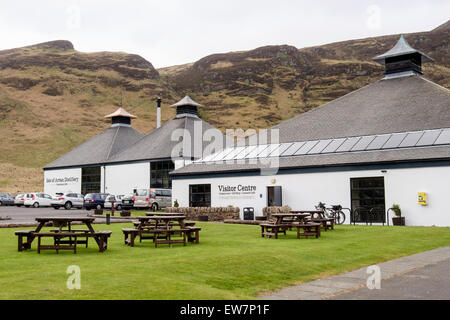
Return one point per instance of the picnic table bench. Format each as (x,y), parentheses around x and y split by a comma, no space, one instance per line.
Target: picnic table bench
(162,229)
(64,231)
(319,217)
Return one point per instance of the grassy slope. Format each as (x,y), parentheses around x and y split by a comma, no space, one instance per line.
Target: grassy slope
(231,262)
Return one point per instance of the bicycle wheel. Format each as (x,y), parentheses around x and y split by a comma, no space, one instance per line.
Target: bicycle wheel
(328,214)
(340,217)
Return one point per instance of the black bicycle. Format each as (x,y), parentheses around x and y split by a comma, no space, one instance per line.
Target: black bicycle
(335,212)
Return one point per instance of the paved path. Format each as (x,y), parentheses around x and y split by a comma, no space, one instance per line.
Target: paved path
(424,275)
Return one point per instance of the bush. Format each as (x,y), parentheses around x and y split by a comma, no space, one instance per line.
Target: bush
(397,210)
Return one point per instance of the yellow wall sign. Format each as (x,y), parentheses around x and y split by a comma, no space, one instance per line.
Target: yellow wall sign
(423,198)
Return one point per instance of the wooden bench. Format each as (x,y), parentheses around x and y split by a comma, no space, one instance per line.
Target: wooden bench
(129,236)
(81,231)
(21,234)
(193,234)
(309,229)
(56,241)
(272,230)
(102,238)
(328,224)
(167,236)
(58,244)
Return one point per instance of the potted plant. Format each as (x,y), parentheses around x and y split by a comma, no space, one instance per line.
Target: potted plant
(398,220)
(176,204)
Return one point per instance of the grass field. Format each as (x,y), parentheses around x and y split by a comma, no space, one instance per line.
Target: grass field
(231,262)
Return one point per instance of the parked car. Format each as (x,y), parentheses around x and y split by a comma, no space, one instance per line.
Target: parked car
(67,200)
(37,200)
(19,200)
(6,199)
(117,202)
(127,202)
(95,200)
(152,198)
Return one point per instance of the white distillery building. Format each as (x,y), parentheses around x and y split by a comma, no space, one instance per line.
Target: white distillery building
(121,159)
(386,143)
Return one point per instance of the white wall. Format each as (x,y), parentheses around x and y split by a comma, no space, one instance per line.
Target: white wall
(123,178)
(303,191)
(62,180)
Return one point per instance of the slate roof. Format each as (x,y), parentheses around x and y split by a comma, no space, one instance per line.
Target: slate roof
(409,103)
(159,145)
(400,49)
(186,101)
(99,149)
(402,104)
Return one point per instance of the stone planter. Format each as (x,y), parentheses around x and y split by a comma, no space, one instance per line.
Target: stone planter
(202,218)
(398,221)
(98,212)
(125,213)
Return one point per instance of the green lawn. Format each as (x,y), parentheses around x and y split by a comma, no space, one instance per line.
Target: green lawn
(231,262)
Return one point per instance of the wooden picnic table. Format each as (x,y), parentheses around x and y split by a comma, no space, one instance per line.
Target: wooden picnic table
(319,216)
(300,217)
(161,228)
(285,221)
(64,225)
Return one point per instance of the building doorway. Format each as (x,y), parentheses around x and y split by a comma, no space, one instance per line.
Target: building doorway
(368,199)
(274,196)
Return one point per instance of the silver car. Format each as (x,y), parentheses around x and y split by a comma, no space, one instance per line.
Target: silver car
(67,200)
(117,202)
(19,200)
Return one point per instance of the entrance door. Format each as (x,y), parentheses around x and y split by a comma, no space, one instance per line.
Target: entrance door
(274,197)
(368,202)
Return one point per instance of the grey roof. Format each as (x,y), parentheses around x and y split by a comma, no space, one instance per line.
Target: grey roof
(401,48)
(100,148)
(397,105)
(402,104)
(159,145)
(324,160)
(186,101)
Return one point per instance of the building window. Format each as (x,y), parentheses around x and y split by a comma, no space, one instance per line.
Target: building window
(200,195)
(368,201)
(90,180)
(159,174)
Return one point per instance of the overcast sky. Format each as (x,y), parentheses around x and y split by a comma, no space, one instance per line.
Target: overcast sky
(171,32)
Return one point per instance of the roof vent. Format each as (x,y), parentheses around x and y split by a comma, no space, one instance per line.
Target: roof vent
(187,107)
(402,58)
(121,117)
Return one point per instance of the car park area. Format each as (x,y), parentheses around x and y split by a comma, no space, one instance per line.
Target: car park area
(28,215)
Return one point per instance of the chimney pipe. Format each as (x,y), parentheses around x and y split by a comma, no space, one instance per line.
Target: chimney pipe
(158,113)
